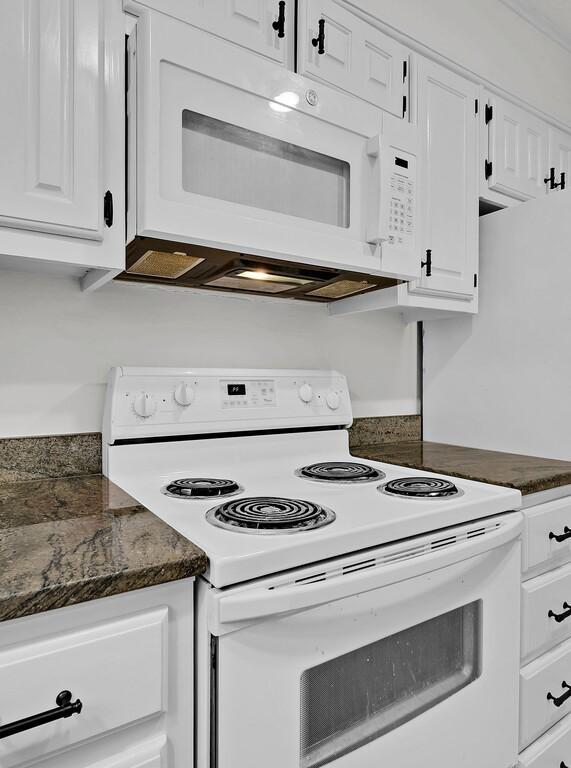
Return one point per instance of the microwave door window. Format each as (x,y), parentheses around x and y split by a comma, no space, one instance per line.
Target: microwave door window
(350,700)
(236,165)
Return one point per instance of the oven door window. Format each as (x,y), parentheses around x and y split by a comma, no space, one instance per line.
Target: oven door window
(350,700)
(228,162)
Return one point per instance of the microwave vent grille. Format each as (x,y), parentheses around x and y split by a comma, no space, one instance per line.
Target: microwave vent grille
(341,288)
(164,264)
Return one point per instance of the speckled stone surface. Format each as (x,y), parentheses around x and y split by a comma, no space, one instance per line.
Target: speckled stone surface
(68,540)
(384,429)
(527,474)
(28,458)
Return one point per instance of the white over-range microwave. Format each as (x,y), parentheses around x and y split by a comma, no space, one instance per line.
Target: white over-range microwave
(242,173)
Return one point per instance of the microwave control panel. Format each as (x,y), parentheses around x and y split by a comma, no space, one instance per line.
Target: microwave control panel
(400,195)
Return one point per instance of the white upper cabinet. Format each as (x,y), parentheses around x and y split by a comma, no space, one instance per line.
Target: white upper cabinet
(516,164)
(60,161)
(338,47)
(448,182)
(264,26)
(559,158)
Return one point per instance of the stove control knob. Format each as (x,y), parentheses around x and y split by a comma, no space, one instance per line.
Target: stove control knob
(184,394)
(332,400)
(305,393)
(145,405)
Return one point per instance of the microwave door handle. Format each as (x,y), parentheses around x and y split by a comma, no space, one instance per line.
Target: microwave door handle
(261,602)
(377,224)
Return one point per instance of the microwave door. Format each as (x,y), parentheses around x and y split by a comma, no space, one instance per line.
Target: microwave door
(369,679)
(248,157)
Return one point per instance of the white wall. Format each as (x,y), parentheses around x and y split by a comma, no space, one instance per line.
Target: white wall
(502,379)
(57,345)
(490,40)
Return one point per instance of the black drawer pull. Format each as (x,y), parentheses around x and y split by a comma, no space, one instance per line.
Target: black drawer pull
(560,616)
(561,536)
(65,708)
(559,700)
(563,765)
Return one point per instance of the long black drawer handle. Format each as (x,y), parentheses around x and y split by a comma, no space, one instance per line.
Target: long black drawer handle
(560,616)
(561,536)
(65,708)
(559,700)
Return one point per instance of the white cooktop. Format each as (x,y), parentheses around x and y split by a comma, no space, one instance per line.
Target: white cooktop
(264,465)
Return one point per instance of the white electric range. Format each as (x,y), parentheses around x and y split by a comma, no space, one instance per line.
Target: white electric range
(351,608)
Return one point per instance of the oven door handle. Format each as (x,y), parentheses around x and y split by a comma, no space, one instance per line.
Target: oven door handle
(262,602)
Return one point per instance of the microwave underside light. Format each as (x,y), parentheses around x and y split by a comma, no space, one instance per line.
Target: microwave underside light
(150,260)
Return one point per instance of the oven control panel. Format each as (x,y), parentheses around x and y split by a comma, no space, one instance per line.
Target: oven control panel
(248,393)
(148,402)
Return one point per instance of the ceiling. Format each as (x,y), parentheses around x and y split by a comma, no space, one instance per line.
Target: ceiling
(552,17)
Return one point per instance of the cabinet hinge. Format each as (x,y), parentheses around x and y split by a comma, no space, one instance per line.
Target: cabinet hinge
(476,106)
(108,209)
(404,70)
(488,167)
(403,106)
(488,113)
(475,280)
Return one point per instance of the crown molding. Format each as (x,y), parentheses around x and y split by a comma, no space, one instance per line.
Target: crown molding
(538,20)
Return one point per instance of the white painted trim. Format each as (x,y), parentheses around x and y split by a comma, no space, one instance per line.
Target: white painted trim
(539,22)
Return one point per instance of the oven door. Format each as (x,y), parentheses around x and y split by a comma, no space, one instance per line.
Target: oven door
(235,152)
(419,666)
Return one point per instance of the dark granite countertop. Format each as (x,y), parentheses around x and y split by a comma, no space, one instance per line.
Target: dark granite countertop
(68,540)
(527,474)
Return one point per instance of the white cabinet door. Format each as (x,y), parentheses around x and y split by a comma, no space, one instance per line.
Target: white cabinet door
(62,131)
(263,26)
(50,167)
(351,54)
(560,155)
(448,183)
(517,151)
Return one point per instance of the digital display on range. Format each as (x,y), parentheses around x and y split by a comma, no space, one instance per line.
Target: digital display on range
(401,163)
(236,389)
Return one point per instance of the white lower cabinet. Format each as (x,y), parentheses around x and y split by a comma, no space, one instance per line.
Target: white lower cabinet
(545,676)
(550,751)
(127,663)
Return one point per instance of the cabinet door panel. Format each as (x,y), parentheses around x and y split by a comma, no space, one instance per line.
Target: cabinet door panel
(448,189)
(560,154)
(51,179)
(517,149)
(245,22)
(358,58)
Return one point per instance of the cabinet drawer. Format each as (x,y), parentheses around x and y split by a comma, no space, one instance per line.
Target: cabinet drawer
(116,668)
(545,611)
(538,680)
(544,525)
(552,750)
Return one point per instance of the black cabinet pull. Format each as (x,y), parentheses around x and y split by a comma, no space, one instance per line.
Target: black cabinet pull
(562,765)
(65,708)
(108,209)
(427,263)
(560,183)
(559,617)
(550,179)
(279,25)
(561,536)
(559,700)
(319,41)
